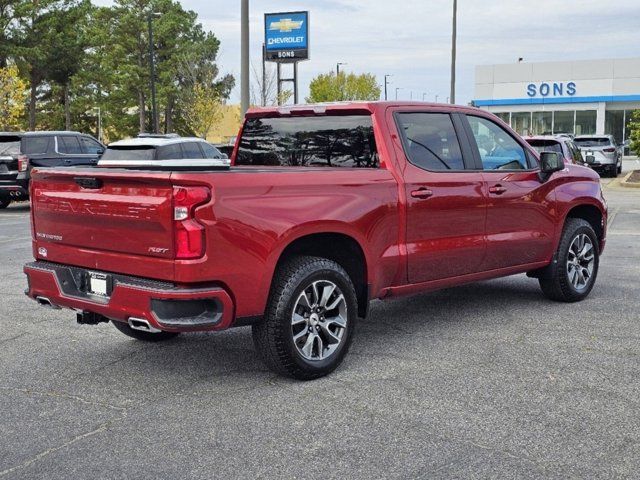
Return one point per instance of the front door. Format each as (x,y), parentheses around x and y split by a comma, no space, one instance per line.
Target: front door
(445,201)
(520,224)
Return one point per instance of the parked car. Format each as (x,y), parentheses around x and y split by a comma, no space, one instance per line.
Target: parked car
(601,152)
(562,145)
(19,151)
(157,150)
(325,208)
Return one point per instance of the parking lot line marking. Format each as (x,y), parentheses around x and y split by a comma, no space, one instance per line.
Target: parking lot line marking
(612,217)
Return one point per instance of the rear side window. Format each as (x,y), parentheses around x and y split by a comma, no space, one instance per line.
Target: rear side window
(36,145)
(129,153)
(69,144)
(328,141)
(430,141)
(9,145)
(191,150)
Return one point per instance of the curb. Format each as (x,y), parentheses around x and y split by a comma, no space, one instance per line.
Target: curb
(625,183)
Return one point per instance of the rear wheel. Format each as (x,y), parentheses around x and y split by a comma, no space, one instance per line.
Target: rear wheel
(144,336)
(310,318)
(572,274)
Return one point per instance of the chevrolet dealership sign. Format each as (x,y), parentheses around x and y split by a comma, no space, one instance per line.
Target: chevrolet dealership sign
(286,36)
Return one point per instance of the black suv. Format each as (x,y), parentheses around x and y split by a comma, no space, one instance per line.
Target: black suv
(19,151)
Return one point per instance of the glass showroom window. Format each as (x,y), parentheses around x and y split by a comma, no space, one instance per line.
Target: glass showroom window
(504,116)
(521,122)
(614,124)
(563,122)
(542,123)
(586,122)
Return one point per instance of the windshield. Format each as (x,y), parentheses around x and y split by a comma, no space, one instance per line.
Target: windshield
(10,145)
(141,152)
(592,142)
(327,141)
(546,146)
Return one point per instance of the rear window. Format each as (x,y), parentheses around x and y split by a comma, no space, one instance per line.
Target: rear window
(9,145)
(592,142)
(331,141)
(129,153)
(546,146)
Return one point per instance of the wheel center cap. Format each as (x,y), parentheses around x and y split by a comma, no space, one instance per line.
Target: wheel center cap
(314,319)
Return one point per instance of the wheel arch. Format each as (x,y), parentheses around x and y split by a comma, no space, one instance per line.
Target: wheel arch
(591,213)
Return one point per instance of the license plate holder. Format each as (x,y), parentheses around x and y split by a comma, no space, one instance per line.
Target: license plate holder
(590,159)
(99,284)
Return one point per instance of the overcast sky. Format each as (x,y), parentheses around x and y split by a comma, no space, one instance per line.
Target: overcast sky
(411,39)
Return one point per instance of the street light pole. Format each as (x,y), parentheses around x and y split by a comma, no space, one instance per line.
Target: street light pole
(452,95)
(424,95)
(386,82)
(244,56)
(338,68)
(437,98)
(152,73)
(397,88)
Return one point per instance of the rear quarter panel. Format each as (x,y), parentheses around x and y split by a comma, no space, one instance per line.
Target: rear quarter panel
(258,212)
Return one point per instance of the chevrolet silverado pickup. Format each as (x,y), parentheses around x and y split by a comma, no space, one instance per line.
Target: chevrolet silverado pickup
(323,208)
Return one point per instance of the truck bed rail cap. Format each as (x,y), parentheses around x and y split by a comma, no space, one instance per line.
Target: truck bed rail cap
(218,163)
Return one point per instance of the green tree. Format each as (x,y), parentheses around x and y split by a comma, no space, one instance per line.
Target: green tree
(330,87)
(634,136)
(13,92)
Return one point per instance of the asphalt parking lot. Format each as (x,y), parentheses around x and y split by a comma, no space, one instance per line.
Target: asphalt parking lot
(489,380)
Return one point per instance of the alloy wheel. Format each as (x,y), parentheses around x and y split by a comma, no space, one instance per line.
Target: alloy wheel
(580,261)
(319,320)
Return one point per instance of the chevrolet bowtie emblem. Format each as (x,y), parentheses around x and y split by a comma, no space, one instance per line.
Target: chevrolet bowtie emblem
(285,25)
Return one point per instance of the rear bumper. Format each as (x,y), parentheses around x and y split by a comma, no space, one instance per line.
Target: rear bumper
(18,189)
(165,306)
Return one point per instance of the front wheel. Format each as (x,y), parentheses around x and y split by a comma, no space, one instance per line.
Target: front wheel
(572,274)
(310,318)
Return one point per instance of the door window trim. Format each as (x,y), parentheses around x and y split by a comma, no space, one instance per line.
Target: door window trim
(531,159)
(464,150)
(55,146)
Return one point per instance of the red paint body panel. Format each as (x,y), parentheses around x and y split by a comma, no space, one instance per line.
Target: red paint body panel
(461,232)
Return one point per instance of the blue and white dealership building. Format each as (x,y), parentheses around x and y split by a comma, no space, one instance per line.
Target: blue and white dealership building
(581,97)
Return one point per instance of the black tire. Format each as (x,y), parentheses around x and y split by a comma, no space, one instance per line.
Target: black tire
(144,336)
(4,203)
(619,170)
(555,279)
(273,336)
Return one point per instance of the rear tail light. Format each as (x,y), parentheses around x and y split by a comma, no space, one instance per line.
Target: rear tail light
(609,150)
(23,163)
(189,234)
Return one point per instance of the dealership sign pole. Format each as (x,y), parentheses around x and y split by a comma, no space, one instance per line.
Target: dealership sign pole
(286,40)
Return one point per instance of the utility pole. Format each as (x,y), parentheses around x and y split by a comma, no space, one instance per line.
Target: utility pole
(397,88)
(452,95)
(386,82)
(424,95)
(244,56)
(152,72)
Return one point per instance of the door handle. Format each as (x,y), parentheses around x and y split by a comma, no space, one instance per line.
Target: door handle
(421,193)
(497,189)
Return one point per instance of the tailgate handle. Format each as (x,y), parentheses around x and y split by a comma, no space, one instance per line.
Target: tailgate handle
(88,182)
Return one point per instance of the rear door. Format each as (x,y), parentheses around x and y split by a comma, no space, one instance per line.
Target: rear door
(72,150)
(520,223)
(446,206)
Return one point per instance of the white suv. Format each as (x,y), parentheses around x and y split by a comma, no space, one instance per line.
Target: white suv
(601,152)
(171,150)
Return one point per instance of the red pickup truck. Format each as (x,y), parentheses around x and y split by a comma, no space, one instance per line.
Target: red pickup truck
(323,208)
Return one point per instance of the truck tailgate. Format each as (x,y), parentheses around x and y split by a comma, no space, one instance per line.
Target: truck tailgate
(90,214)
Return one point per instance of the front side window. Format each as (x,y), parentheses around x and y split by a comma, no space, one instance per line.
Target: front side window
(69,145)
(191,150)
(498,150)
(210,151)
(321,141)
(430,141)
(90,146)
(170,152)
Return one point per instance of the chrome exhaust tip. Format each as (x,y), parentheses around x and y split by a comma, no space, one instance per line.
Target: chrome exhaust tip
(45,302)
(142,325)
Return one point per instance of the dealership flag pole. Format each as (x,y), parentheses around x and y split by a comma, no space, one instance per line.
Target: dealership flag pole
(244,64)
(452,97)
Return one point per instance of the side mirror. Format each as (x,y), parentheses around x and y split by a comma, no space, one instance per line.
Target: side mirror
(100,151)
(550,162)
